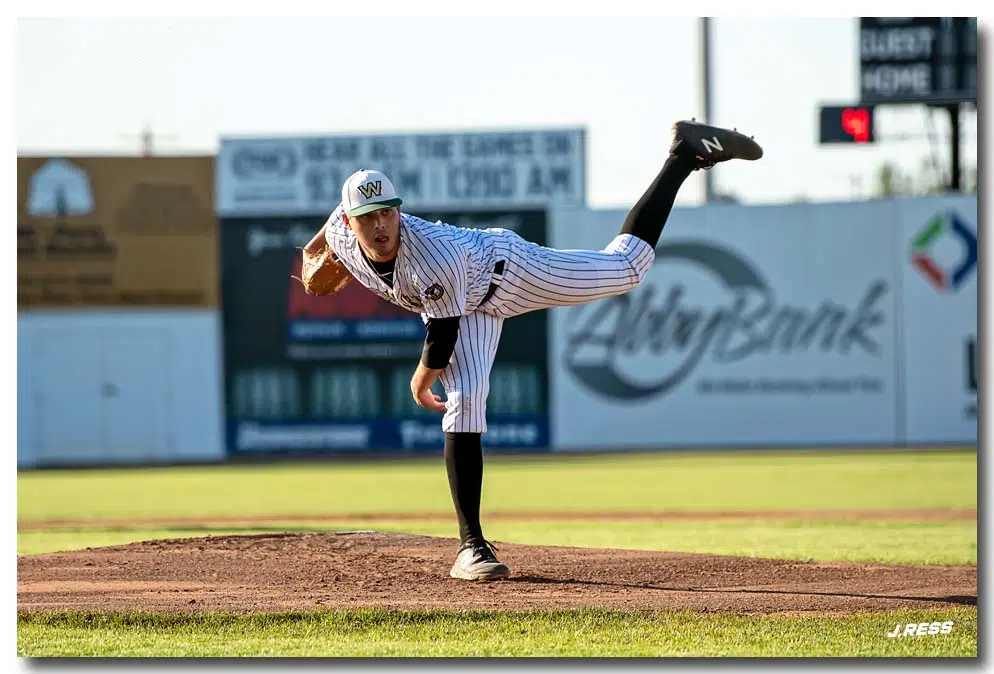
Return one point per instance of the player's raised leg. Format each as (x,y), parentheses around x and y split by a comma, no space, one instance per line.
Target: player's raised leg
(543,277)
(694,146)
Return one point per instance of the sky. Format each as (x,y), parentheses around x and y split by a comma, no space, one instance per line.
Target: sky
(90,85)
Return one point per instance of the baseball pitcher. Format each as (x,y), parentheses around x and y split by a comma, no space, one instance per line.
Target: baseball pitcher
(466,282)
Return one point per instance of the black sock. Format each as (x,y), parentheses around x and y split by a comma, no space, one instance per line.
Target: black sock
(647,217)
(464,466)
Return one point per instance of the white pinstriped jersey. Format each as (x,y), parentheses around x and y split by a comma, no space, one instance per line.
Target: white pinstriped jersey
(440,270)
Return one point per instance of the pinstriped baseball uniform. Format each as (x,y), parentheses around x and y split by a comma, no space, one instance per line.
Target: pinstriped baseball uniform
(485,276)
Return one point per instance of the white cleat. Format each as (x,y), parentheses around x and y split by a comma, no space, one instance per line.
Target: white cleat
(476,561)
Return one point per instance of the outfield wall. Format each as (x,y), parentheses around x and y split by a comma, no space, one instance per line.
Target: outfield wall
(803,324)
(938,341)
(100,387)
(797,325)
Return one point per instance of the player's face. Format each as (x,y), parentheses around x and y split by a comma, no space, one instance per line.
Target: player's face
(378,233)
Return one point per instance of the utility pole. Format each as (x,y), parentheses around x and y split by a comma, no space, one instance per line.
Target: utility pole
(955,176)
(148,142)
(148,139)
(705,24)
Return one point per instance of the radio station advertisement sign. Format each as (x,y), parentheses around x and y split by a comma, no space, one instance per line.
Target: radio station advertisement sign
(295,176)
(331,374)
(116,232)
(756,326)
(939,268)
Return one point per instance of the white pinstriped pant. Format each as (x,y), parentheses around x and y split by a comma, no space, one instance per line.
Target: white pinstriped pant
(535,277)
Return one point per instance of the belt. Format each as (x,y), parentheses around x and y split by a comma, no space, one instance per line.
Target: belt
(495,283)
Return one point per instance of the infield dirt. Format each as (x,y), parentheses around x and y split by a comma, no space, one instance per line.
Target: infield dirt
(268,573)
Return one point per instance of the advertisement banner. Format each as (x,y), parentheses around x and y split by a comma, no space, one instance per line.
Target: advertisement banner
(452,171)
(306,373)
(756,326)
(116,231)
(940,340)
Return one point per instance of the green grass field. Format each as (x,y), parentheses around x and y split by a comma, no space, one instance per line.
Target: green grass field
(687,482)
(715,482)
(583,633)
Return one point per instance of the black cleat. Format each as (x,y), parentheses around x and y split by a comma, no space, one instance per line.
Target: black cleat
(709,145)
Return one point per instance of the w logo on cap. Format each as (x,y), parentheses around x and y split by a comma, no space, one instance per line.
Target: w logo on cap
(370,190)
(366,191)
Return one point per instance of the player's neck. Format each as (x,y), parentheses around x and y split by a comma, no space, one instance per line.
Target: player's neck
(382,269)
(387,262)
(388,259)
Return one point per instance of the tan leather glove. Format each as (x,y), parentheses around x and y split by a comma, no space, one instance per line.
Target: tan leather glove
(321,274)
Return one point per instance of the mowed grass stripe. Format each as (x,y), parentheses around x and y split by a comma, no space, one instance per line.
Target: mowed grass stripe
(721,481)
(918,515)
(579,633)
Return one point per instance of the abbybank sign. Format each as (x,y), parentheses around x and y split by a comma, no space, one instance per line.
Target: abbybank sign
(754,326)
(606,341)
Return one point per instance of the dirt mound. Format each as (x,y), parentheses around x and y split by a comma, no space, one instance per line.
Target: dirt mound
(279,572)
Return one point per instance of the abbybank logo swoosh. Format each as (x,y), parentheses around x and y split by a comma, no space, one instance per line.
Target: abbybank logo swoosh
(945,226)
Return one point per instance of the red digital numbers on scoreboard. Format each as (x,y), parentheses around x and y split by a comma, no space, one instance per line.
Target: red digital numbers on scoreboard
(856,123)
(846,124)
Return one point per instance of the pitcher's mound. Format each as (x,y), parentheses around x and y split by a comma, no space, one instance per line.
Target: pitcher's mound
(307,571)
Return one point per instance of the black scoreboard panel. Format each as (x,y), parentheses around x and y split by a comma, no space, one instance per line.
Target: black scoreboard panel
(918,59)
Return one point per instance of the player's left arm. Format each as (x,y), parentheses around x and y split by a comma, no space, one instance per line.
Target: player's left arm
(440,342)
(421,383)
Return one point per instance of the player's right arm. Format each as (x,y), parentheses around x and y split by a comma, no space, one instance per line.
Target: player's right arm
(333,226)
(317,244)
(321,272)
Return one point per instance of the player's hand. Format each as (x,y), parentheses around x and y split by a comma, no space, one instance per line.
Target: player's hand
(429,400)
(421,383)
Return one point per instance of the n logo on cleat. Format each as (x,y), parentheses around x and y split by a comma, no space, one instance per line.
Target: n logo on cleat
(712,145)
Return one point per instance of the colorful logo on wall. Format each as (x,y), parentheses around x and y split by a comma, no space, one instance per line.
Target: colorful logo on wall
(945,226)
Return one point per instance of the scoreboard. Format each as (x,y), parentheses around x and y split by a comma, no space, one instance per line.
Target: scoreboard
(905,61)
(918,60)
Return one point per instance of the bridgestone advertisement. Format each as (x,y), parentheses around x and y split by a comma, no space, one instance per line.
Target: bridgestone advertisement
(306,373)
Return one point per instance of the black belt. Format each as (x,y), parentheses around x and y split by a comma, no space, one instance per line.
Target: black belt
(498,273)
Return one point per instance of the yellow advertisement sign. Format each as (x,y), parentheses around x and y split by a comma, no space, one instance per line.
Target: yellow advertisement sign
(116,231)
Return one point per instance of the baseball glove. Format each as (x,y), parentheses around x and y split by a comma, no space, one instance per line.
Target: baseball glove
(321,273)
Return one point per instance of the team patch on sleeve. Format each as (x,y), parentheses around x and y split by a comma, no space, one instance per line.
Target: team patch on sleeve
(434,292)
